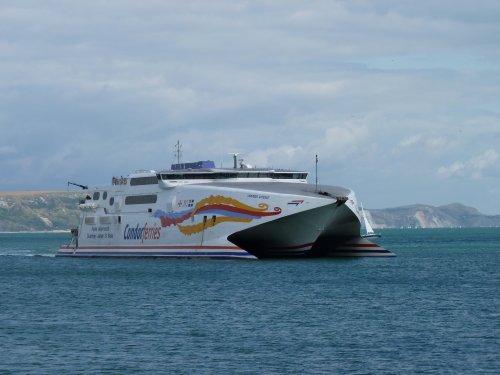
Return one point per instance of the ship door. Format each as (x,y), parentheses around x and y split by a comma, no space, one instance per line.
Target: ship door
(203,231)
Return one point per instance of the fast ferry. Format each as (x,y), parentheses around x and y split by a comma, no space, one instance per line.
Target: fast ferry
(198,210)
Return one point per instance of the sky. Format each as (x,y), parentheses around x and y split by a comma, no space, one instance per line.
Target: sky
(399,99)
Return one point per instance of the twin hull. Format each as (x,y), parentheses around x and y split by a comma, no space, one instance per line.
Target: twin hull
(221,221)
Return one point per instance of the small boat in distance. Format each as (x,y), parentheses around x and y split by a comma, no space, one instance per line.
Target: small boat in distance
(368,228)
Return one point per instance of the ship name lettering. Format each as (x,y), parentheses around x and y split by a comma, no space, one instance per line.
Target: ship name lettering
(142,233)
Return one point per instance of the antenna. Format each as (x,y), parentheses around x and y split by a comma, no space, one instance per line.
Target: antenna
(235,159)
(178,151)
(316,173)
(84,187)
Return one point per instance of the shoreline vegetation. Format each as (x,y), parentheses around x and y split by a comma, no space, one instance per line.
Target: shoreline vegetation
(56,211)
(39,211)
(34,192)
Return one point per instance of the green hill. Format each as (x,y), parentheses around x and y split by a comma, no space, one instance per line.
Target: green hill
(39,210)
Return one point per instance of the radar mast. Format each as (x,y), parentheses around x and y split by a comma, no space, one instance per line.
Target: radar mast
(178,151)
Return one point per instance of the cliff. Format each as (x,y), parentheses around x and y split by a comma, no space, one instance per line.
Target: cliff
(426,216)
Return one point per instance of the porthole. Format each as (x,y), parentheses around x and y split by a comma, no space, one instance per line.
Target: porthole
(111,201)
(104,195)
(95,196)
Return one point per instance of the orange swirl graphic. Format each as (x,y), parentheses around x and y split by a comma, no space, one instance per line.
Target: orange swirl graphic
(219,199)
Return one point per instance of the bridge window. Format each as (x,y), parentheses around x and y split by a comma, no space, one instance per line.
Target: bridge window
(149,180)
(141,199)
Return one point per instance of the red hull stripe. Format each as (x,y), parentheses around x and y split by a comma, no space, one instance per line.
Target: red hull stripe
(361,245)
(350,245)
(306,245)
(224,207)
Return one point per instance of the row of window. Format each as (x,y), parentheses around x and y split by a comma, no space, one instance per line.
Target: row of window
(97,195)
(226,175)
(150,180)
(131,199)
(91,220)
(141,199)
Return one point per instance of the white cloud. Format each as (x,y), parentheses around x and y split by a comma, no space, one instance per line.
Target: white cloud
(484,163)
(274,157)
(454,170)
(410,141)
(477,167)
(372,87)
(432,142)
(438,142)
(343,141)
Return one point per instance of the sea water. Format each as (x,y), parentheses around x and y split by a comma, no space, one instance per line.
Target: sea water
(435,308)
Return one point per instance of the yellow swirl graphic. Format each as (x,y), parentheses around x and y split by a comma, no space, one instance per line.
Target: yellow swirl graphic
(216,200)
(219,199)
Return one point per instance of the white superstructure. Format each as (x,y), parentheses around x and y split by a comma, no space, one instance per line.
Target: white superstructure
(197,210)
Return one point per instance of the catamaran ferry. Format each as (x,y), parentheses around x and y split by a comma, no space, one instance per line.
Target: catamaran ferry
(198,210)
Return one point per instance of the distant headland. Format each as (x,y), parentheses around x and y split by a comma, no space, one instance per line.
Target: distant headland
(32,211)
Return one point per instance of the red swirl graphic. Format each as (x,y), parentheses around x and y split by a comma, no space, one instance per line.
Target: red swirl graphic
(227,208)
(167,221)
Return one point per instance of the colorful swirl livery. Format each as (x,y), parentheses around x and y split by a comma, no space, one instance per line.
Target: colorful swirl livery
(223,209)
(196,210)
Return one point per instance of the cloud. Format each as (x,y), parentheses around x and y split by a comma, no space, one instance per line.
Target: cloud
(430,142)
(478,167)
(95,89)
(454,170)
(485,163)
(411,141)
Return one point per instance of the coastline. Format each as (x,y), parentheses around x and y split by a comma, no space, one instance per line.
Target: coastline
(34,192)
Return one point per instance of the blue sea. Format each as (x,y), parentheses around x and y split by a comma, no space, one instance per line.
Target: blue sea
(433,309)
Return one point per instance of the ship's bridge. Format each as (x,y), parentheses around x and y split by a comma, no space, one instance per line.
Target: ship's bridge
(205,170)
